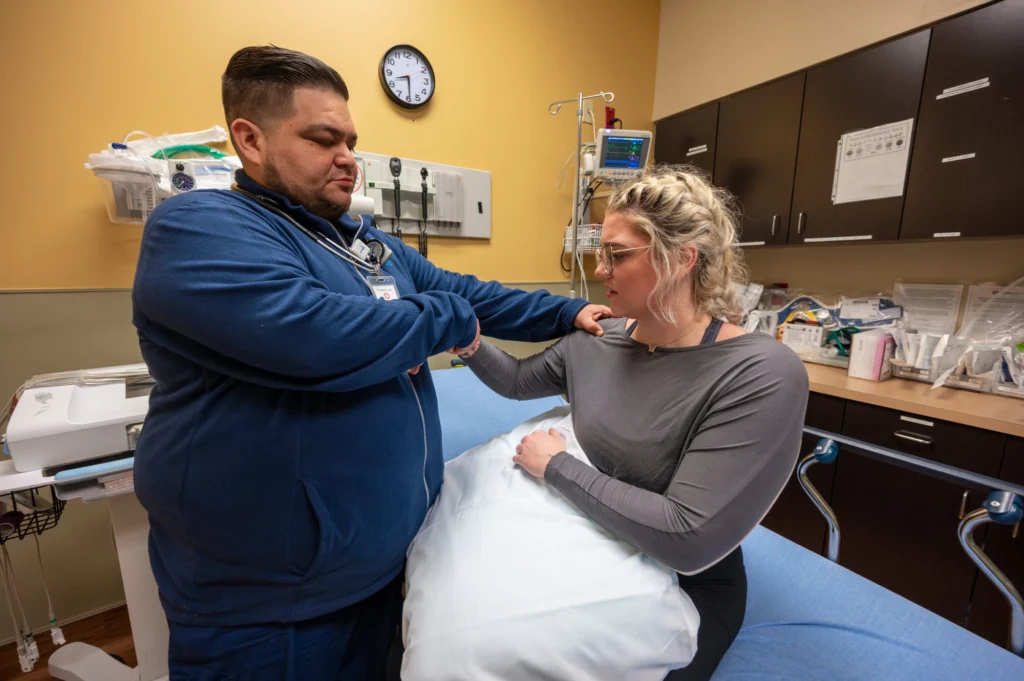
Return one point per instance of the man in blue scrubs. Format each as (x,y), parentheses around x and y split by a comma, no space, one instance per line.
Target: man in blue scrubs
(292,446)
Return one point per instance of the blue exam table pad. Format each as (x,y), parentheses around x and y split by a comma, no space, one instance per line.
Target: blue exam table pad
(807,618)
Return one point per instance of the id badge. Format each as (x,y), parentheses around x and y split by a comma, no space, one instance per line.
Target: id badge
(384,288)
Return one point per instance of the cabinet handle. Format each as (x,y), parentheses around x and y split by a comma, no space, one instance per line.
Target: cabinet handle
(775,224)
(963,504)
(800,223)
(913,437)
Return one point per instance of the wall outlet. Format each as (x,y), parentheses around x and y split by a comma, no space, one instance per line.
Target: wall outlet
(588,111)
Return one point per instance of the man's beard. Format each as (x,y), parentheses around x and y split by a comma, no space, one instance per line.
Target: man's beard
(314,204)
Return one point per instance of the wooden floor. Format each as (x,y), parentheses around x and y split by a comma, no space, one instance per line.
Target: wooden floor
(109,630)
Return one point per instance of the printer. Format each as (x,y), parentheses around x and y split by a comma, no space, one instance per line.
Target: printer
(57,420)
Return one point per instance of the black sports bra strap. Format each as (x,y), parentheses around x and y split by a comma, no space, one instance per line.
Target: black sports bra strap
(711,333)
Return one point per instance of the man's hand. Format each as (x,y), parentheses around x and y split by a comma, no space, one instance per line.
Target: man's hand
(589,316)
(470,350)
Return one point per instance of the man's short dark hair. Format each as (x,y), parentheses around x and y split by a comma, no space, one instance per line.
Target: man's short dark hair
(259,82)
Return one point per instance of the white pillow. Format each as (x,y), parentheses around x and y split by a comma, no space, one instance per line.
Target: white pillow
(507,580)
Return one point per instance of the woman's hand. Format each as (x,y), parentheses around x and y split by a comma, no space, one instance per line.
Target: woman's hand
(537,449)
(470,350)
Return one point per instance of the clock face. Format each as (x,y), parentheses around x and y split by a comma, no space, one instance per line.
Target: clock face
(407,76)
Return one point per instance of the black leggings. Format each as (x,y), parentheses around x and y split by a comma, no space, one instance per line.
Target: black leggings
(720,596)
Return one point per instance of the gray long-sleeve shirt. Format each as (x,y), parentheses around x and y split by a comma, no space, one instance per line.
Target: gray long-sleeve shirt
(691,446)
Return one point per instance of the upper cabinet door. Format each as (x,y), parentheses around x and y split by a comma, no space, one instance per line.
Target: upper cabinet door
(688,138)
(965,177)
(873,87)
(756,156)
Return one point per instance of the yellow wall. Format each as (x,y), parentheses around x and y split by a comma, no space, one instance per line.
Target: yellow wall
(77,75)
(711,48)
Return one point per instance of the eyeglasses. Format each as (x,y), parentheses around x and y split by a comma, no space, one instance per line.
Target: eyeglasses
(606,256)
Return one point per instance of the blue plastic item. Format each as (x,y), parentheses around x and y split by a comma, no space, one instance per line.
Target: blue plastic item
(95,470)
(826,451)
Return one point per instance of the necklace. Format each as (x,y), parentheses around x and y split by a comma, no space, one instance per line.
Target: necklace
(651,347)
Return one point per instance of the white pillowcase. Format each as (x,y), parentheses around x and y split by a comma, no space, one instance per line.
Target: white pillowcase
(508,580)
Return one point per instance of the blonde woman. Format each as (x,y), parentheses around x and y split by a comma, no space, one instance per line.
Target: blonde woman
(692,425)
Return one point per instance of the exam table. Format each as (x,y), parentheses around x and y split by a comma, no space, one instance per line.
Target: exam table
(807,617)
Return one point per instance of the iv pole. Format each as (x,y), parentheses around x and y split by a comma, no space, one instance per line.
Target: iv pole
(553,109)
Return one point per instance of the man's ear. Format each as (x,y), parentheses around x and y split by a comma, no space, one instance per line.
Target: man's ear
(249,140)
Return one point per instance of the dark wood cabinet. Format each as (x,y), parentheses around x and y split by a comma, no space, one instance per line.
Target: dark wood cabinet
(794,516)
(965,171)
(876,86)
(689,138)
(756,155)
(899,528)
(990,613)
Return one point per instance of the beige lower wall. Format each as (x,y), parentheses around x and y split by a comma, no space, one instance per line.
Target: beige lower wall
(874,268)
(44,332)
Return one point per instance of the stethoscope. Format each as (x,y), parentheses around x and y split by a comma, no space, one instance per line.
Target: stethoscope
(378,253)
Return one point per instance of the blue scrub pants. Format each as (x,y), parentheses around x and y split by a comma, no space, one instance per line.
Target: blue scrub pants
(351,644)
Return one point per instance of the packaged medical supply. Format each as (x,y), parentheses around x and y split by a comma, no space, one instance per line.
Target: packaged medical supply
(994,321)
(821,328)
(803,338)
(748,296)
(137,174)
(793,306)
(761,321)
(915,354)
(1010,376)
(508,580)
(871,355)
(867,312)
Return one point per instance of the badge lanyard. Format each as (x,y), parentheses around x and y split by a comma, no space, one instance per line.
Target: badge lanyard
(362,256)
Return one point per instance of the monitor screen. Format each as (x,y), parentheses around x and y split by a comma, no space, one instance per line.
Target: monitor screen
(628,153)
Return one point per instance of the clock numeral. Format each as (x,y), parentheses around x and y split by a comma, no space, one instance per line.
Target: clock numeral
(391,62)
(422,92)
(423,70)
(388,72)
(391,83)
(418,97)
(408,98)
(426,83)
(408,55)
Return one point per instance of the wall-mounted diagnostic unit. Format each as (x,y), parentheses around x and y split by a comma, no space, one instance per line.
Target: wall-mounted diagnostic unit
(409,196)
(621,154)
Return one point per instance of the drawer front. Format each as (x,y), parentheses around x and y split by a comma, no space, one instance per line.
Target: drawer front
(972,449)
(899,526)
(824,412)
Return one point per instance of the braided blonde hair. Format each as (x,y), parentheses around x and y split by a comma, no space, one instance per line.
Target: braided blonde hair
(677,206)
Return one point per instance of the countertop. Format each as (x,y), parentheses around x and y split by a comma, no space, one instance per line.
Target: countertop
(981,410)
